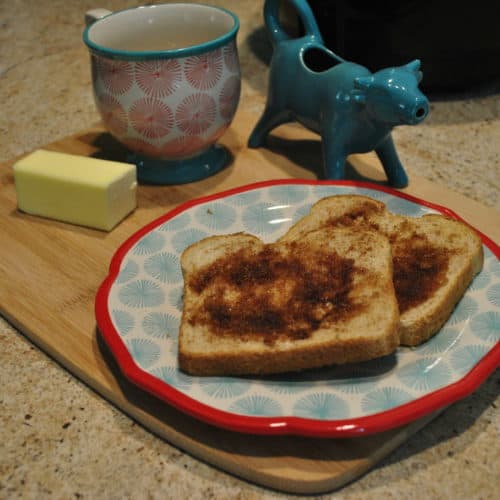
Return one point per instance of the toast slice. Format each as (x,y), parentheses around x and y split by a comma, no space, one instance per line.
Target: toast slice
(256,308)
(435,258)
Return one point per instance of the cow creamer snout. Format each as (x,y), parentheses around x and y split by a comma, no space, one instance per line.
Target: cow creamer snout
(421,109)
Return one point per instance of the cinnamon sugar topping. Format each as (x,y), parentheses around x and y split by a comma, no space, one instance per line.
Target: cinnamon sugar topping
(419,270)
(275,293)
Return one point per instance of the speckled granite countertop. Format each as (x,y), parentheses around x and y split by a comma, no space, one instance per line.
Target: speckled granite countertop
(58,439)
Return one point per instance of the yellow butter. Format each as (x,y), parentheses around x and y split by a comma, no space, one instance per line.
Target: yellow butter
(75,189)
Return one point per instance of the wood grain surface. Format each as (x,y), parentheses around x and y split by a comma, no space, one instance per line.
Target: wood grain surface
(50,272)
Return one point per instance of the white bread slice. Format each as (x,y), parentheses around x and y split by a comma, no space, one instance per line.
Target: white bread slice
(435,257)
(255,308)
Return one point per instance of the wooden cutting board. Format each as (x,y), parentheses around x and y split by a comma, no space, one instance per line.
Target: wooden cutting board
(50,272)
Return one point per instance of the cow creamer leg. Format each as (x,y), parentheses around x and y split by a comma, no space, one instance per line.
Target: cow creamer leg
(334,158)
(393,168)
(270,119)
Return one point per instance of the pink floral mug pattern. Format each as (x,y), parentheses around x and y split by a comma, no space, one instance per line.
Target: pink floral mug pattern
(169,107)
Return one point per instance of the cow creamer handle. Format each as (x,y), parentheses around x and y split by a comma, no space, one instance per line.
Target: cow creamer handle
(353,109)
(304,12)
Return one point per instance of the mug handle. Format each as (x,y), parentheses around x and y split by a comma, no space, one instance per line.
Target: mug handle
(93,15)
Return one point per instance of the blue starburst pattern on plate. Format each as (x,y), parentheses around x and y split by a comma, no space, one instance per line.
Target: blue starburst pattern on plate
(378,195)
(141,293)
(175,223)
(465,358)
(384,399)
(223,387)
(324,190)
(186,237)
(491,263)
(151,243)
(174,349)
(321,406)
(288,195)
(486,326)
(466,308)
(263,218)
(301,212)
(124,321)
(448,338)
(160,325)
(496,269)
(355,385)
(481,281)
(405,207)
(289,385)
(145,305)
(173,377)
(128,272)
(257,406)
(145,352)
(164,266)
(215,216)
(425,374)
(245,198)
(175,297)
(493,295)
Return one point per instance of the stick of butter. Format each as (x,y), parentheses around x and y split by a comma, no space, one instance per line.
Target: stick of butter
(76,189)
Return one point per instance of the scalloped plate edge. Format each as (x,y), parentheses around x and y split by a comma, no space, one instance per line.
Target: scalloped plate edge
(361,426)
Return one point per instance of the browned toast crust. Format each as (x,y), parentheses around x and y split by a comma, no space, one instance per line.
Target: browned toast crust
(267,361)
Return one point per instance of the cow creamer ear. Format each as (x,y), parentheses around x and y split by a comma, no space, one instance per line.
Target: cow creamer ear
(419,75)
(413,65)
(363,82)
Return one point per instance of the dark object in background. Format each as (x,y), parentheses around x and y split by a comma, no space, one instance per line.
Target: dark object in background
(457,42)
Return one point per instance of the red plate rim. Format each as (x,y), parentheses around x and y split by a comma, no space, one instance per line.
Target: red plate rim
(360,426)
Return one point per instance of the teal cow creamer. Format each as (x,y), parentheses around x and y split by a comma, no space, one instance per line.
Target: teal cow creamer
(353,109)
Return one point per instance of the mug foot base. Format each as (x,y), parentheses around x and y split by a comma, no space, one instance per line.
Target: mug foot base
(163,172)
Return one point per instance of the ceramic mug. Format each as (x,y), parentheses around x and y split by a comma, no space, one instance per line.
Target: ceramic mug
(166,81)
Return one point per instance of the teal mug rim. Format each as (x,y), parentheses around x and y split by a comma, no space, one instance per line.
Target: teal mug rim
(140,55)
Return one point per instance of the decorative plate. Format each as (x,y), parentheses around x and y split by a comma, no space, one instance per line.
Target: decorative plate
(138,310)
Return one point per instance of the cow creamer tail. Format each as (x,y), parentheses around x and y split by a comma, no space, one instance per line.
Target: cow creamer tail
(275,29)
